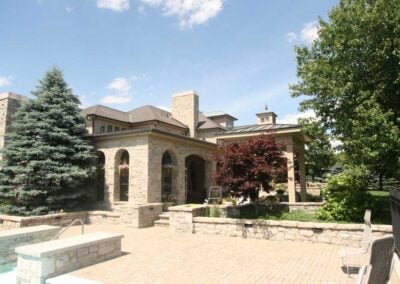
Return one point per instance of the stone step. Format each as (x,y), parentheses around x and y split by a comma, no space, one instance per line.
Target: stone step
(161,223)
(164,216)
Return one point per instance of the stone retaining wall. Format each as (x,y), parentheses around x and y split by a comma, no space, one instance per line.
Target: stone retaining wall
(329,233)
(141,215)
(38,262)
(310,207)
(11,239)
(59,219)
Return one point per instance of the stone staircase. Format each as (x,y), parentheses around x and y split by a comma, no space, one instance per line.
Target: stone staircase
(163,221)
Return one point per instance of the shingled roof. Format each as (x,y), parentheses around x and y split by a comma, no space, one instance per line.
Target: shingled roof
(207,123)
(148,113)
(141,114)
(106,112)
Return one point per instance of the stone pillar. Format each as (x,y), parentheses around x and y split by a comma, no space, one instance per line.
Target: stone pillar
(181,179)
(302,170)
(109,176)
(290,171)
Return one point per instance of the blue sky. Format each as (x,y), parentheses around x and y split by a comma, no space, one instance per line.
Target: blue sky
(238,54)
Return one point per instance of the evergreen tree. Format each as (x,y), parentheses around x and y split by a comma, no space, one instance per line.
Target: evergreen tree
(47,157)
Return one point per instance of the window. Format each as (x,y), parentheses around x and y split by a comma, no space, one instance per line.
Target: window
(123,129)
(102,129)
(109,128)
(116,128)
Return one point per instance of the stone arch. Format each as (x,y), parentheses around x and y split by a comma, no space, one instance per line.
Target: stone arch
(121,187)
(100,175)
(195,179)
(169,174)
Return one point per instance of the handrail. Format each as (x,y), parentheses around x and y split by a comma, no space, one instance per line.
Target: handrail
(69,226)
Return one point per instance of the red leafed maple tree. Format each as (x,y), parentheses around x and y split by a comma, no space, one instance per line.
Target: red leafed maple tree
(243,168)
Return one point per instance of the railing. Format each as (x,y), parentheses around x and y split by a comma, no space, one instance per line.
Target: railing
(395,210)
(69,226)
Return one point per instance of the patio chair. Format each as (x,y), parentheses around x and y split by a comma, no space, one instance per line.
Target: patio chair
(379,267)
(363,248)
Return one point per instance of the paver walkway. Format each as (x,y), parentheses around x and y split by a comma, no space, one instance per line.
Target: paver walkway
(155,255)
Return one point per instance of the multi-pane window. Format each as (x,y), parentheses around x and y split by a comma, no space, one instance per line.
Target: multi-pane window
(109,128)
(116,128)
(102,129)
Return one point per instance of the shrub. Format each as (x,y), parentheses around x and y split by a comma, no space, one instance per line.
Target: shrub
(346,197)
(214,211)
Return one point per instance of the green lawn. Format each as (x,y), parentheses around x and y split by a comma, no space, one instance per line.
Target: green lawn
(381,210)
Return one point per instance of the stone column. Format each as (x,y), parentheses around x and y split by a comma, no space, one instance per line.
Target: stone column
(181,179)
(290,171)
(109,176)
(302,171)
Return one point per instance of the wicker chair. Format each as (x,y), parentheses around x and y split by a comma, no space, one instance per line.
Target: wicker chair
(380,264)
(363,249)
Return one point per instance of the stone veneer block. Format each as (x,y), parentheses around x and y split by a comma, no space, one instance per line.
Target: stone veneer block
(40,261)
(10,239)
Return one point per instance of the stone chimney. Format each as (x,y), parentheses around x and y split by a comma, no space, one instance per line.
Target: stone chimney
(266,117)
(9,103)
(185,108)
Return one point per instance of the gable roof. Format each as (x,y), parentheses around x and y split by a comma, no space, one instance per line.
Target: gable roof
(106,112)
(207,123)
(148,113)
(219,114)
(141,114)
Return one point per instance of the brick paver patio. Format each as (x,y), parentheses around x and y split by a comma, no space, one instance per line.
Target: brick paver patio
(155,255)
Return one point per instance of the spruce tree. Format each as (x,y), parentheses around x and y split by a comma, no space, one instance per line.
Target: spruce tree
(48,157)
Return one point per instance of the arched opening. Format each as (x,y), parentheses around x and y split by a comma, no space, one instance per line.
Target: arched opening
(122,176)
(100,175)
(195,179)
(168,165)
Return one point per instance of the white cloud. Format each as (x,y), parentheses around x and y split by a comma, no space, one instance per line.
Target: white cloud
(292,118)
(291,37)
(120,89)
(189,12)
(5,81)
(115,5)
(69,9)
(120,84)
(307,35)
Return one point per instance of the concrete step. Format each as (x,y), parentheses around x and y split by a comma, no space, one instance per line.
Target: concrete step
(164,216)
(161,223)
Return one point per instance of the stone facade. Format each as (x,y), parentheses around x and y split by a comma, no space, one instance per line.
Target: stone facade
(9,103)
(11,239)
(38,262)
(185,108)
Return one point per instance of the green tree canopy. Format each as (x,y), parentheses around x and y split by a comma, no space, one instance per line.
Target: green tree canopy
(319,152)
(351,76)
(47,156)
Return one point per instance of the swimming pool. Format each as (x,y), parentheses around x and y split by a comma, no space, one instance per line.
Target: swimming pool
(9,276)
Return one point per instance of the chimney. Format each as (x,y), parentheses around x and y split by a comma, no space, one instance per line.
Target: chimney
(185,108)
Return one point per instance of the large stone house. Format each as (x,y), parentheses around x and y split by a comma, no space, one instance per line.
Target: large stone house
(148,154)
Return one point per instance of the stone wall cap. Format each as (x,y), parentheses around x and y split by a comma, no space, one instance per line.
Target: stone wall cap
(292,224)
(14,233)
(10,95)
(303,203)
(61,245)
(185,93)
(187,207)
